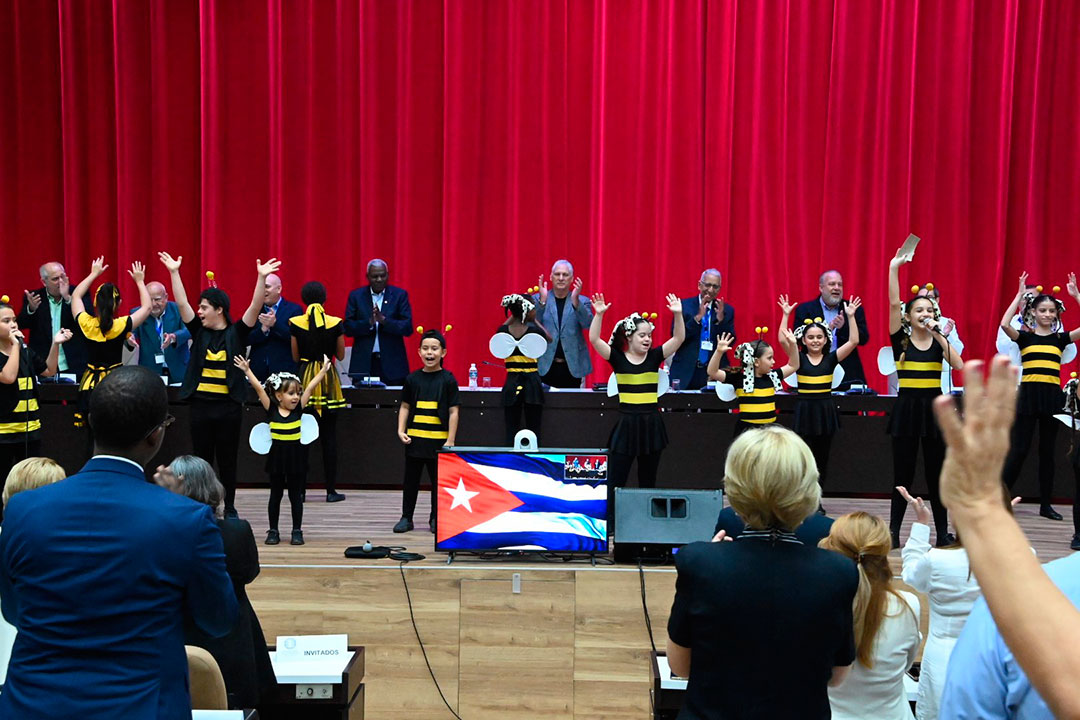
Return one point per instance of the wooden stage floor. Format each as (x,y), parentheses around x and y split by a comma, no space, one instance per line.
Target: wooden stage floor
(571,644)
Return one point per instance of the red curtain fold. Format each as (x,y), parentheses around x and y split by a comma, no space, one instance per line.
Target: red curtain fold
(470,143)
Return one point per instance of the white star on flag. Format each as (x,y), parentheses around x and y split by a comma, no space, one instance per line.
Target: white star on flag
(461,495)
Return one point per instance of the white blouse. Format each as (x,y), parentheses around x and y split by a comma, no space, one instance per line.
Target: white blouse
(877,693)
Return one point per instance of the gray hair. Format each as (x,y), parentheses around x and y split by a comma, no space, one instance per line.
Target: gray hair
(376,261)
(43,271)
(821,278)
(712,271)
(198,481)
(565,262)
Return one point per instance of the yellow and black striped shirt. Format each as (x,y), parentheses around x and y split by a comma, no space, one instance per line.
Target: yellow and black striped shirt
(815,379)
(212,379)
(285,429)
(918,372)
(637,383)
(1040,357)
(757,407)
(430,397)
(19,412)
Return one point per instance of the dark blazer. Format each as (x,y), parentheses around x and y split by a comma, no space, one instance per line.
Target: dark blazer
(570,332)
(812,531)
(853,368)
(39,325)
(272,352)
(392,332)
(177,354)
(242,654)
(685,360)
(99,593)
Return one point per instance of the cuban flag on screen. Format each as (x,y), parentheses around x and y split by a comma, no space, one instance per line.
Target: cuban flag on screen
(517,501)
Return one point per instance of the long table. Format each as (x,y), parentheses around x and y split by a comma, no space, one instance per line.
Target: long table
(699,425)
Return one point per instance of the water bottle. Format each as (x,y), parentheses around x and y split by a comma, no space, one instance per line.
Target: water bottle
(472,376)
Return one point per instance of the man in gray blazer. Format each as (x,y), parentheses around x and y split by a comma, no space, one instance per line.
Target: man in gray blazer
(565,313)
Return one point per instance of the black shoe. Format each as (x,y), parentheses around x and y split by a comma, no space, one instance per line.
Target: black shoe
(946,540)
(297,537)
(230,513)
(272,537)
(332,496)
(403,525)
(895,534)
(1050,513)
(303,495)
(1075,544)
(431,524)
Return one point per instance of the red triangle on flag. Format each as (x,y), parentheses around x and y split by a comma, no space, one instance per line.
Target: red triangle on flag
(467,497)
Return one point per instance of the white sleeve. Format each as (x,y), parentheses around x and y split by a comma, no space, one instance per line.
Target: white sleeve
(917,567)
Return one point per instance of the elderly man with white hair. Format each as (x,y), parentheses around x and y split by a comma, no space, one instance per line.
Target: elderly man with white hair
(565,313)
(379,317)
(271,340)
(829,306)
(706,317)
(47,309)
(163,341)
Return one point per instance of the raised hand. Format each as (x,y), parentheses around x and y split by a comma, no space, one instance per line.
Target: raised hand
(949,327)
(171,264)
(674,304)
(720,307)
(922,510)
(168,339)
(542,284)
(787,338)
(265,268)
(785,306)
(65,286)
(241,362)
(978,442)
(33,300)
(1023,283)
(137,272)
(853,304)
(576,290)
(98,266)
(723,343)
(166,478)
(599,305)
(62,336)
(1071,287)
(901,257)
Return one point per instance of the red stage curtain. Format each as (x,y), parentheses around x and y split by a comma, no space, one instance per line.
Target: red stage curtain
(470,143)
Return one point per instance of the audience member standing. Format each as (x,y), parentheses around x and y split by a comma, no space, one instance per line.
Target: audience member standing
(829,306)
(706,317)
(100,590)
(566,362)
(271,340)
(163,340)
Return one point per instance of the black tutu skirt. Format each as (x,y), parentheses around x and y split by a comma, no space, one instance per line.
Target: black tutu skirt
(638,434)
(522,387)
(816,416)
(913,416)
(1039,398)
(287,458)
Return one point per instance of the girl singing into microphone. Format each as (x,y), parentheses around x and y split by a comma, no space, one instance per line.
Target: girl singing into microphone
(919,349)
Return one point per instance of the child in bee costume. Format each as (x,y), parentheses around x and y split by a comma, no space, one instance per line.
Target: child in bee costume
(520,341)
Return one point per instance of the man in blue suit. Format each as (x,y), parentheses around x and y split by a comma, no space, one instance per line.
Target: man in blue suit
(99,571)
(379,316)
(271,341)
(706,318)
(163,340)
(565,314)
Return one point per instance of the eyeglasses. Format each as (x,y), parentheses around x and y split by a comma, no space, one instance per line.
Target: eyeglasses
(164,424)
(711,286)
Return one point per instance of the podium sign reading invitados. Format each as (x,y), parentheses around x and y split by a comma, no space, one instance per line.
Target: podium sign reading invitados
(305,648)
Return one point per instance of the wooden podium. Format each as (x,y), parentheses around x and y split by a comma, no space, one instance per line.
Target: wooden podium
(322,697)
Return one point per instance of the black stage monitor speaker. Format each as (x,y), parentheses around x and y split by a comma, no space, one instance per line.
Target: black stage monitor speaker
(651,525)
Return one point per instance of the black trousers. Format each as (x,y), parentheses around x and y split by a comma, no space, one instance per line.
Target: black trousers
(619,473)
(295,484)
(820,446)
(559,376)
(413,468)
(905,451)
(1023,430)
(699,379)
(12,453)
(1076,498)
(215,435)
(328,444)
(533,416)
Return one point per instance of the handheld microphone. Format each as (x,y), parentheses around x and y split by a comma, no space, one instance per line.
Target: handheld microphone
(926,324)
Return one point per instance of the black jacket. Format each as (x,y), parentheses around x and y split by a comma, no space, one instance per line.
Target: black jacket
(39,326)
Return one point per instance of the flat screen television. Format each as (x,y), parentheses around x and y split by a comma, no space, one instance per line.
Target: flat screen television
(501,500)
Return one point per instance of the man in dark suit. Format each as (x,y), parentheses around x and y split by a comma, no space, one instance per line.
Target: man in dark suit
(48,309)
(706,317)
(829,306)
(379,316)
(98,571)
(163,340)
(271,341)
(566,360)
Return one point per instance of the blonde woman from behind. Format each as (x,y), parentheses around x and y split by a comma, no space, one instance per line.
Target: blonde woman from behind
(886,625)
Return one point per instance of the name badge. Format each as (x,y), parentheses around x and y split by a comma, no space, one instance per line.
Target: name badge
(159,359)
(707,345)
